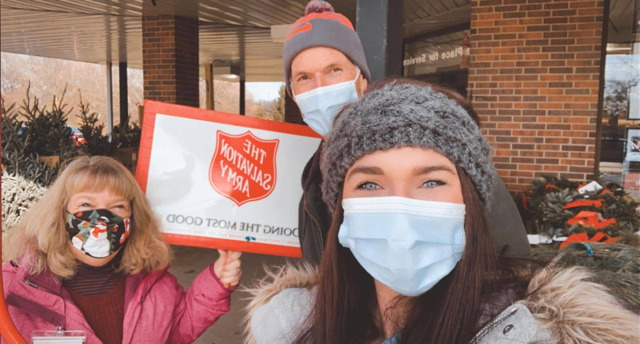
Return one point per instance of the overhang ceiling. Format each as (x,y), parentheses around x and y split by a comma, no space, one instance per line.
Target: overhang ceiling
(236,31)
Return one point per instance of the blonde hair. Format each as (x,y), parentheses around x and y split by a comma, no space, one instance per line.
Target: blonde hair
(40,241)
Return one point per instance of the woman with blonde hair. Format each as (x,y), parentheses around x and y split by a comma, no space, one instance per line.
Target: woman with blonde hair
(89,256)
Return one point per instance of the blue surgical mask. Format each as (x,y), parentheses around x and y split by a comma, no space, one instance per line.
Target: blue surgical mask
(408,245)
(321,105)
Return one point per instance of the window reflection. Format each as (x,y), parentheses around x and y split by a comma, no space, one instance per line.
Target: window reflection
(620,140)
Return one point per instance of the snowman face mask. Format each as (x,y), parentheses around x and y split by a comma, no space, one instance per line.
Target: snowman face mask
(98,232)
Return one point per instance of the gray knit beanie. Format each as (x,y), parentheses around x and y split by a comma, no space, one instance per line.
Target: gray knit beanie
(401,115)
(322,27)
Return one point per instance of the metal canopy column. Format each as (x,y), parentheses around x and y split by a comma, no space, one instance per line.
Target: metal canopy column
(208,78)
(242,74)
(242,97)
(109,101)
(124,94)
(379,25)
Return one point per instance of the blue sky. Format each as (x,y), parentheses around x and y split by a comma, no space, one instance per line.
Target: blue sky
(264,90)
(622,67)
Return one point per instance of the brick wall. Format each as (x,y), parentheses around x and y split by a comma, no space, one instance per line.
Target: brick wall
(534,78)
(170,59)
(291,111)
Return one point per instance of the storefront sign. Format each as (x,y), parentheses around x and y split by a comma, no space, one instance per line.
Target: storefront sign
(224,181)
(437,54)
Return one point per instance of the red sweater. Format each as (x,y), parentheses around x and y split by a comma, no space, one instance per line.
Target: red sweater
(104,313)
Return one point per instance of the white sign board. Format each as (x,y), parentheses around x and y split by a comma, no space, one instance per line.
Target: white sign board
(224,181)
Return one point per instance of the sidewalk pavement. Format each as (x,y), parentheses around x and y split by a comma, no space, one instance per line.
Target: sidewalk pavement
(190,261)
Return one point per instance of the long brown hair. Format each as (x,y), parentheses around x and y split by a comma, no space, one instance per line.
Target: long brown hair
(448,313)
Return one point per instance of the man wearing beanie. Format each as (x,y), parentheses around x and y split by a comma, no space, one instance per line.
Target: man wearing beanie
(325,69)
(322,53)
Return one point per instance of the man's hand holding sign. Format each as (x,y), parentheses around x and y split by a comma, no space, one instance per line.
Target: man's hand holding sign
(224,181)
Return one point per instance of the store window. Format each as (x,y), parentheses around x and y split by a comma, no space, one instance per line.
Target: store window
(620,140)
(439,57)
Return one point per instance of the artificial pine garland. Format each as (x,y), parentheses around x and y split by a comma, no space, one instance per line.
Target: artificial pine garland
(551,206)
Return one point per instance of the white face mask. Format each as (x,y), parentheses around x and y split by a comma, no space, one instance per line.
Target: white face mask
(321,105)
(406,244)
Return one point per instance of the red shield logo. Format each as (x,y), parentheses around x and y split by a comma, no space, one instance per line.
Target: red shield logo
(243,168)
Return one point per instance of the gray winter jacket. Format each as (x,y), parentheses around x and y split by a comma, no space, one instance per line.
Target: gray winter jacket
(564,305)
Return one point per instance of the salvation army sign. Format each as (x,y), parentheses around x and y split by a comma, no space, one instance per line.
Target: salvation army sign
(225,181)
(243,168)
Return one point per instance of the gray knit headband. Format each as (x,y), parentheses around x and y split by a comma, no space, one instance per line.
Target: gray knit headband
(400,115)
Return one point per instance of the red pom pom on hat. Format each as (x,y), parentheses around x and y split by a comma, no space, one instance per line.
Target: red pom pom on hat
(318,6)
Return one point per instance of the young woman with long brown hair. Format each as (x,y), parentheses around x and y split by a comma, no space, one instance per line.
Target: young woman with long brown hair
(409,257)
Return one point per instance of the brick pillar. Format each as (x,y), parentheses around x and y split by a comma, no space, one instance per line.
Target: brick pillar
(170,59)
(534,78)
(291,111)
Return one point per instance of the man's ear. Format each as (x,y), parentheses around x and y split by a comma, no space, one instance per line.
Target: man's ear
(363,84)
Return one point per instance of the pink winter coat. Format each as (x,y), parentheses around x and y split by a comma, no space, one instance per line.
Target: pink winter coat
(157,310)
